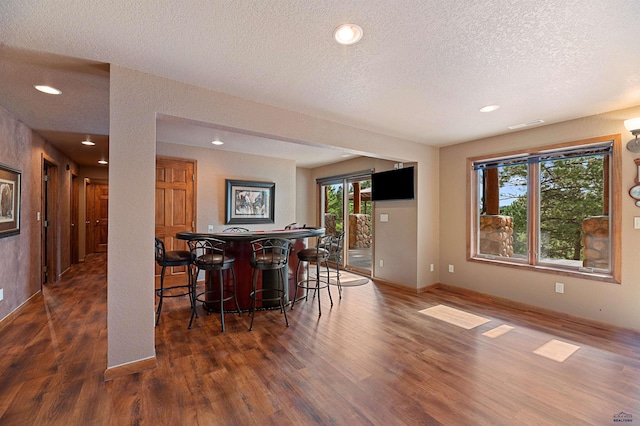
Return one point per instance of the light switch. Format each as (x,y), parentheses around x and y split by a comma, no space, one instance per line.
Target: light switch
(384,217)
(636,222)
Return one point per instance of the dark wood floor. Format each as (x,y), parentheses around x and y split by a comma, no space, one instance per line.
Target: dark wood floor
(371,359)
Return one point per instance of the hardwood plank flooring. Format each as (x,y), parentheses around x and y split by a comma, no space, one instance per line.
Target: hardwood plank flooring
(371,359)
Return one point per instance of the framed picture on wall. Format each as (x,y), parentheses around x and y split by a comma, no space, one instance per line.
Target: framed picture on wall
(250,202)
(9,201)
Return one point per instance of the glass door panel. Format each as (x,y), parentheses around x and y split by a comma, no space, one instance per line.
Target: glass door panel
(359,236)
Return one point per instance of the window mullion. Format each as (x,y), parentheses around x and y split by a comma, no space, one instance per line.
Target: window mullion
(533,214)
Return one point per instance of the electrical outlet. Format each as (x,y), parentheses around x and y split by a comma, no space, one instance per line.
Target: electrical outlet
(1,294)
(450,268)
(636,223)
(559,288)
(431,268)
(381,263)
(210,229)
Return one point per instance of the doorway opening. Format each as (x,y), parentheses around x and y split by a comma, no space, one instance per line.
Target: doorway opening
(349,211)
(48,268)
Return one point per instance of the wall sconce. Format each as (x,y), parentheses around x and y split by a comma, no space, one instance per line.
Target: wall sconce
(633,125)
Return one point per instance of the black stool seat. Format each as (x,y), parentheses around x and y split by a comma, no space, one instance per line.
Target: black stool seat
(270,254)
(312,254)
(168,259)
(318,254)
(209,255)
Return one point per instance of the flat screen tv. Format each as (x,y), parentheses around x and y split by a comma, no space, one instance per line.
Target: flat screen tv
(393,185)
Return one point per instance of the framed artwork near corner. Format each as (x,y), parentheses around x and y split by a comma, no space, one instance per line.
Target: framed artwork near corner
(9,201)
(250,202)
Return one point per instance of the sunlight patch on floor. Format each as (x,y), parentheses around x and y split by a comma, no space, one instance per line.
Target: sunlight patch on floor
(556,350)
(498,331)
(455,316)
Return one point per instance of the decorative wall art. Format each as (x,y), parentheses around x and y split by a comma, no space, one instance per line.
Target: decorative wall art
(9,201)
(250,202)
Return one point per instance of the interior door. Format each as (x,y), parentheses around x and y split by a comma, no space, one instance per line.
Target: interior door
(49,222)
(175,208)
(75,196)
(101,218)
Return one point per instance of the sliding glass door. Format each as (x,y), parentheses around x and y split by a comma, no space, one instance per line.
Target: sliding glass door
(349,211)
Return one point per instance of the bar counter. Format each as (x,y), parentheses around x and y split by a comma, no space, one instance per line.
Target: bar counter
(238,245)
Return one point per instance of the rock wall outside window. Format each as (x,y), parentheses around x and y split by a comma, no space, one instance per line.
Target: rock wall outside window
(595,242)
(496,235)
(360,231)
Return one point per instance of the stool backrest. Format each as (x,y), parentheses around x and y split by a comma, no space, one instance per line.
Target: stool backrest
(270,252)
(324,246)
(336,248)
(207,252)
(236,229)
(160,252)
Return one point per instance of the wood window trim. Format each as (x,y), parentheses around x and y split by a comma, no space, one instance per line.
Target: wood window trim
(615,213)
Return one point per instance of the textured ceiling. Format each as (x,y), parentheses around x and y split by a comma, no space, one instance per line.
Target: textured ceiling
(421,72)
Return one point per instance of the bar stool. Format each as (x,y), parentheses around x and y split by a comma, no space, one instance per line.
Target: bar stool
(336,249)
(208,254)
(270,254)
(319,255)
(168,259)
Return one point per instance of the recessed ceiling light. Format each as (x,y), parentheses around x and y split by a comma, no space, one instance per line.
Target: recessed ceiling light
(48,89)
(88,142)
(348,34)
(217,143)
(346,155)
(103,162)
(489,108)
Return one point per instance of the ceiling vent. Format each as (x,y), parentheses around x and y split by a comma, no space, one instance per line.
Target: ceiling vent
(527,124)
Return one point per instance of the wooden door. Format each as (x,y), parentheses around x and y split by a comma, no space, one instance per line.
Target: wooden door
(75,195)
(49,269)
(175,208)
(101,217)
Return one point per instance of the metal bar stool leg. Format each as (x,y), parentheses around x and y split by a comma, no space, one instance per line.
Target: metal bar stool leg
(253,296)
(282,273)
(160,294)
(317,289)
(194,310)
(326,264)
(221,278)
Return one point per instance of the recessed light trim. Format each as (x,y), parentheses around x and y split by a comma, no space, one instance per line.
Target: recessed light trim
(48,89)
(103,162)
(489,108)
(88,143)
(348,34)
(217,142)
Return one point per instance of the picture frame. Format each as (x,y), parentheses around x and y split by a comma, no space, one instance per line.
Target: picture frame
(249,202)
(10,187)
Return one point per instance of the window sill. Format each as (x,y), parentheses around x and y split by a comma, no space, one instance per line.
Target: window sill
(609,278)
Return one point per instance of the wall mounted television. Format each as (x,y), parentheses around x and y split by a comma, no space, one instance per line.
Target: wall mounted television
(395,184)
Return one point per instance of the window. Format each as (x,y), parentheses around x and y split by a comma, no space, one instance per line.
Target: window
(553,209)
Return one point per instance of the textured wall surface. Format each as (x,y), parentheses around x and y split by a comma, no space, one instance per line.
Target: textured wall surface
(20,255)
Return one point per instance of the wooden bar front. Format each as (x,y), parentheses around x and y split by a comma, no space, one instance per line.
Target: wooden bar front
(239,246)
